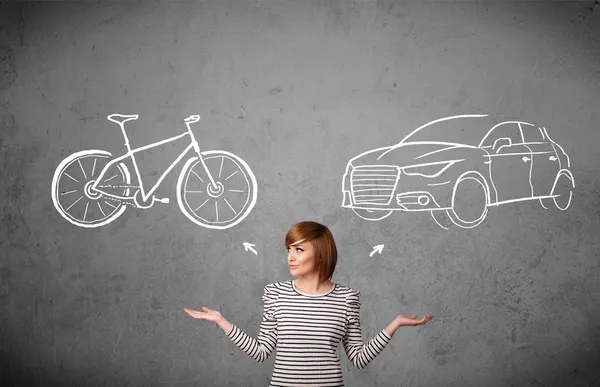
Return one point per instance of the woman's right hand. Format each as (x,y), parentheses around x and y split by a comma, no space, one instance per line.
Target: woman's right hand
(403,321)
(208,314)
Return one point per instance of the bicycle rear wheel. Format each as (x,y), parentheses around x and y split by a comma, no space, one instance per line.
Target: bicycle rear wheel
(227,204)
(72,194)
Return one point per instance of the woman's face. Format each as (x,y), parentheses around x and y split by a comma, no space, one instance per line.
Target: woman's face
(301,258)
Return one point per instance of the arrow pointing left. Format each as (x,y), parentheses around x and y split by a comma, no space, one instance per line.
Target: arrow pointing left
(250,246)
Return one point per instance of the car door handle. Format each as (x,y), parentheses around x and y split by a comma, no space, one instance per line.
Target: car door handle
(525,159)
(552,158)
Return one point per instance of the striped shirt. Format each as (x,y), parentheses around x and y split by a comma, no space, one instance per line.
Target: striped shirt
(306,329)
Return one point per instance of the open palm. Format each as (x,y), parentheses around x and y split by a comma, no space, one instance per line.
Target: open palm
(412,320)
(207,314)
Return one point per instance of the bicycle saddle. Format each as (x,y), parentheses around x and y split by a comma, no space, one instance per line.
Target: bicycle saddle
(122,118)
(192,119)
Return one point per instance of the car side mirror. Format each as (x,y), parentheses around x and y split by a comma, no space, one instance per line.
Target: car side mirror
(499,143)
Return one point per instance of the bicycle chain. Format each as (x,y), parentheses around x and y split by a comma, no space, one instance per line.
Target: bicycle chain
(118,186)
(120,201)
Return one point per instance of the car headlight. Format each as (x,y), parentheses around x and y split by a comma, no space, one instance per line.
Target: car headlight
(430,169)
(348,168)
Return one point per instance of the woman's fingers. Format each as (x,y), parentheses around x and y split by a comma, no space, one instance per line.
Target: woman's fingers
(191,312)
(412,320)
(194,313)
(209,315)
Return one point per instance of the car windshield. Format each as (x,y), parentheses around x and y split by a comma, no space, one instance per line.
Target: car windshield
(468,130)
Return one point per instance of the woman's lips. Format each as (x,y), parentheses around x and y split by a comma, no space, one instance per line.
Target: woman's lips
(293,267)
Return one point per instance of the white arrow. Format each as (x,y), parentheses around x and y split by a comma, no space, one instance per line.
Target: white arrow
(249,246)
(378,249)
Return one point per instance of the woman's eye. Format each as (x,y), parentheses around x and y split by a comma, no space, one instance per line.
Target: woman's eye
(299,249)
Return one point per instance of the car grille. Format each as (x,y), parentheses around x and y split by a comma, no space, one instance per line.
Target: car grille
(373,184)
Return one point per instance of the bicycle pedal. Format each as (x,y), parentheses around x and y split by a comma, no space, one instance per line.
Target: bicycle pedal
(165,200)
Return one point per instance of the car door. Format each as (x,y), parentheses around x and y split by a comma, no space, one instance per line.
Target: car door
(510,163)
(544,161)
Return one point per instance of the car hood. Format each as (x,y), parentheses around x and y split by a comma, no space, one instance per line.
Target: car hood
(406,154)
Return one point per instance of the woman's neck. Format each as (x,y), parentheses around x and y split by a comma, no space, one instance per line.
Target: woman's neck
(311,285)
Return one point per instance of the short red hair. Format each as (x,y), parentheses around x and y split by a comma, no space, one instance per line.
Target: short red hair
(323,242)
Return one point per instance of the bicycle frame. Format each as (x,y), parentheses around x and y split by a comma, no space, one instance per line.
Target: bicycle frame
(131,154)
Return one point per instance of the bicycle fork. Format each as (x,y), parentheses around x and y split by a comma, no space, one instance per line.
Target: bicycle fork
(192,120)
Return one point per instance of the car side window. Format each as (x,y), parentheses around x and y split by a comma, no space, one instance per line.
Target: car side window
(532,133)
(503,135)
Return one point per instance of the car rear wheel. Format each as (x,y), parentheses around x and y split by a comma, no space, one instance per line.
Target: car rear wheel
(562,191)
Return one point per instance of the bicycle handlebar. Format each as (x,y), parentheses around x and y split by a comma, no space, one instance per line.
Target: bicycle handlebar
(191,119)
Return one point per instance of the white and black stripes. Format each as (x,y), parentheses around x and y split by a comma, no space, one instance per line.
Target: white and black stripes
(306,330)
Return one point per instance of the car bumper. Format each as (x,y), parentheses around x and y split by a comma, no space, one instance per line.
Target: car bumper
(409,201)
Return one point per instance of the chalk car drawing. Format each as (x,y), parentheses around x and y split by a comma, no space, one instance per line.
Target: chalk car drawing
(456,168)
(215,189)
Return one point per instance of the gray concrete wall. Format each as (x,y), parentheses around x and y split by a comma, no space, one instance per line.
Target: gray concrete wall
(295,89)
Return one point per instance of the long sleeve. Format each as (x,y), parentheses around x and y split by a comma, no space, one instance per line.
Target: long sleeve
(360,354)
(261,347)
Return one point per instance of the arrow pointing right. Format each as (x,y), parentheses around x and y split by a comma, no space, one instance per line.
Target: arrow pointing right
(376,249)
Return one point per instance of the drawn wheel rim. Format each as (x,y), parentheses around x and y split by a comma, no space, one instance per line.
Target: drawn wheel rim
(459,211)
(372,214)
(224,205)
(563,190)
(72,194)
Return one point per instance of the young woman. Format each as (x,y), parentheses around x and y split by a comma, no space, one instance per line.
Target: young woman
(306,318)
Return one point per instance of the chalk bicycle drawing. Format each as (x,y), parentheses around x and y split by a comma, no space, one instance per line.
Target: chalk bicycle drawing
(457,174)
(215,189)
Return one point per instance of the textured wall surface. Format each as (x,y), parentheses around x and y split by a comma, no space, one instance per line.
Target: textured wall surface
(295,89)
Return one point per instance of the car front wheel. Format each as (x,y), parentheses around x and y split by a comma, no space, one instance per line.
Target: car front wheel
(372,214)
(469,204)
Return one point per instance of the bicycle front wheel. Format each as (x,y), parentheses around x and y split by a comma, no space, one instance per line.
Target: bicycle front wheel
(222,206)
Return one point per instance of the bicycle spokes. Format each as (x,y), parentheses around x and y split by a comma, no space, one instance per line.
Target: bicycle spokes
(224,205)
(73,194)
